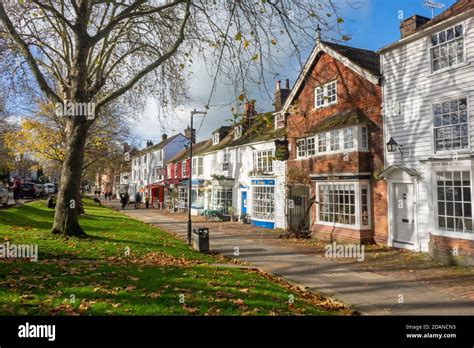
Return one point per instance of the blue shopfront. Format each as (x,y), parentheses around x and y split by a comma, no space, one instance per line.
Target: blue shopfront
(263,203)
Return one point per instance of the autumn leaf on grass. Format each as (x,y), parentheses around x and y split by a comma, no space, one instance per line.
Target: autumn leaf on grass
(244,290)
(191,310)
(153,295)
(135,279)
(130,288)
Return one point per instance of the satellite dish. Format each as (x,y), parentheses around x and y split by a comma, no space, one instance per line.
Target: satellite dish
(432,4)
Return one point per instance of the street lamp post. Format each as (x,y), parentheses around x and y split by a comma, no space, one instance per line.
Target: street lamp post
(191,138)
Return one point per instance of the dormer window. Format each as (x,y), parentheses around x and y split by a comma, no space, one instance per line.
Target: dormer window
(238,132)
(279,120)
(215,139)
(325,95)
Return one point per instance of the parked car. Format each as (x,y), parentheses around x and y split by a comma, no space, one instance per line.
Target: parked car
(28,190)
(4,196)
(41,190)
(50,188)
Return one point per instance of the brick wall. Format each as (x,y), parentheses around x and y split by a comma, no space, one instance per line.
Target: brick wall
(353,91)
(442,249)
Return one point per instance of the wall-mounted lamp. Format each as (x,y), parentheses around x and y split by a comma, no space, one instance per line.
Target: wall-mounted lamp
(393,146)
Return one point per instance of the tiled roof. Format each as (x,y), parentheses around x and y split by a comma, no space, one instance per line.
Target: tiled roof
(366,59)
(198,148)
(340,119)
(262,130)
(457,8)
(158,146)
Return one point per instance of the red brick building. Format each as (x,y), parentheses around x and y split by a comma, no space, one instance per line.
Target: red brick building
(335,132)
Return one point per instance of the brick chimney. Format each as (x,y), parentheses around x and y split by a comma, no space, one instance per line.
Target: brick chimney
(249,108)
(410,25)
(164,137)
(187,134)
(281,94)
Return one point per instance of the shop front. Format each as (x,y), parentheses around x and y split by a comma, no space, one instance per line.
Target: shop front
(198,194)
(263,203)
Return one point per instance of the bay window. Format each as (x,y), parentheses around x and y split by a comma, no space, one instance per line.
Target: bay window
(334,140)
(348,138)
(344,203)
(355,138)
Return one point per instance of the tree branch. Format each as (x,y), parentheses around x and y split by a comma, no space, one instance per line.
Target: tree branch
(120,91)
(23,47)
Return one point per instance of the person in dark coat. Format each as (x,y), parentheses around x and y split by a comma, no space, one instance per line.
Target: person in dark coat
(50,202)
(17,191)
(123,200)
(138,200)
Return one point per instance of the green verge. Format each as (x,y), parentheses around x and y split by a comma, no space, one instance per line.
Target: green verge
(161,276)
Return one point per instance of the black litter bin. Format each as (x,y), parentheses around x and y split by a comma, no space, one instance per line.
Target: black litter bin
(200,239)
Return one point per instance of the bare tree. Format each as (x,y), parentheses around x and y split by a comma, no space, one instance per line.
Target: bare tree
(95,51)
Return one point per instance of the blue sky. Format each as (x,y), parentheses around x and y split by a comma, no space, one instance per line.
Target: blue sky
(373,25)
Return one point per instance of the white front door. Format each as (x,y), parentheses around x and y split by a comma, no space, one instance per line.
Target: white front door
(404,214)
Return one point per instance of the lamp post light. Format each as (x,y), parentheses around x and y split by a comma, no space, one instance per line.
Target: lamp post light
(393,146)
(191,138)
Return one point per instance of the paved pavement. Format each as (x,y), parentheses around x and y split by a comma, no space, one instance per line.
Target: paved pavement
(367,292)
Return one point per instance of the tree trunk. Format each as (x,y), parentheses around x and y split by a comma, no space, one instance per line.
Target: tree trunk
(66,220)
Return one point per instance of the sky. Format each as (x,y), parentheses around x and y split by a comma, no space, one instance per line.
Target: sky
(372,25)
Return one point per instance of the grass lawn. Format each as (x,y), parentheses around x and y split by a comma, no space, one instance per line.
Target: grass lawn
(127,267)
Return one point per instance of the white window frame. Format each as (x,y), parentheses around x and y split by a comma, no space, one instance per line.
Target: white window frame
(445,232)
(301,148)
(182,197)
(334,140)
(238,132)
(183,169)
(197,169)
(215,138)
(220,194)
(364,137)
(348,138)
(467,123)
(325,95)
(280,120)
(311,147)
(263,160)
(447,44)
(358,185)
(261,205)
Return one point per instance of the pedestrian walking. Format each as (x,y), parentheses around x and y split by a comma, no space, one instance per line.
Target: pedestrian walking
(138,199)
(147,201)
(17,191)
(123,200)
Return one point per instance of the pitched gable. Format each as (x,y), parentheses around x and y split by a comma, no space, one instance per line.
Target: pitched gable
(363,62)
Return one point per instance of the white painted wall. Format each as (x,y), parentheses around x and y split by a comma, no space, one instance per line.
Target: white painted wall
(241,164)
(408,80)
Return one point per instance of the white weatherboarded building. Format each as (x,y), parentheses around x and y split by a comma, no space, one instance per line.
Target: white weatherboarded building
(240,171)
(428,93)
